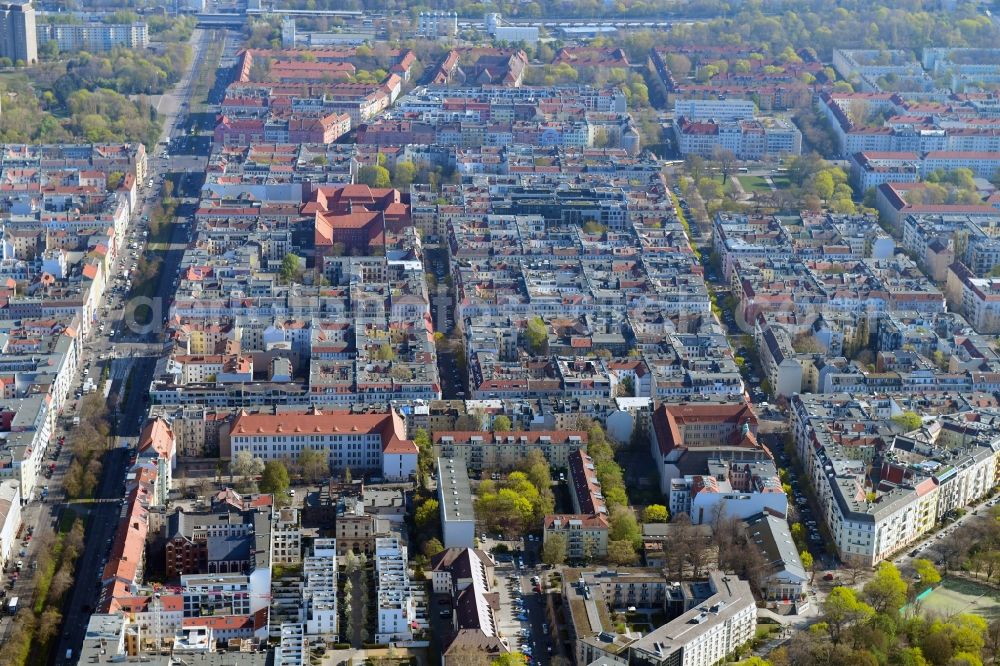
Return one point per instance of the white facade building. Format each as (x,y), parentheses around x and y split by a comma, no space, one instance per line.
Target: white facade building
(946,464)
(365,442)
(458,520)
(437,24)
(10,520)
(94,37)
(293,649)
(715,109)
(977,297)
(706,634)
(395,606)
(509,33)
(319,590)
(286,536)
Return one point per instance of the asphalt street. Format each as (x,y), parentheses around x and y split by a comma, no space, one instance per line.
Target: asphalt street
(132,356)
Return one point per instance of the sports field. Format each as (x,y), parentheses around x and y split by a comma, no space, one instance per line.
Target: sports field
(954,596)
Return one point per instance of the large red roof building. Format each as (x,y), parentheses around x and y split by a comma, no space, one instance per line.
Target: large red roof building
(372,443)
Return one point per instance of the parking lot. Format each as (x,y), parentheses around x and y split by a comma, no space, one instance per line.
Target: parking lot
(522,612)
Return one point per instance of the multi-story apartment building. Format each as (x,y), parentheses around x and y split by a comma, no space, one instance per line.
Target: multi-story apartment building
(219,542)
(286,537)
(871,169)
(94,37)
(453,570)
(784,577)
(944,465)
(584,488)
(704,635)
(586,535)
(356,529)
(978,298)
(505,450)
(437,24)
(18,40)
(710,618)
(752,139)
(730,487)
(467,577)
(939,240)
(778,358)
(395,606)
(715,109)
(293,649)
(319,590)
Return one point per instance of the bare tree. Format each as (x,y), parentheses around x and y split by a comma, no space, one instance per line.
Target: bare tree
(726,161)
(854,568)
(205,487)
(726,536)
(681,547)
(954,549)
(753,567)
(993,640)
(48,625)
(61,582)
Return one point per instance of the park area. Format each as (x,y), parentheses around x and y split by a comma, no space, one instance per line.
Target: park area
(956,595)
(760,184)
(754,184)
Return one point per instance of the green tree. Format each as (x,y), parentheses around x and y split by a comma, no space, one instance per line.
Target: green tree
(798,534)
(432,547)
(621,552)
(404,174)
(502,424)
(314,465)
(427,514)
(807,561)
(624,526)
(374,176)
(929,575)
(291,268)
(425,451)
(886,592)
(910,656)
(655,513)
(842,609)
(823,185)
(274,478)
(537,336)
(384,352)
(472,422)
(554,549)
(908,421)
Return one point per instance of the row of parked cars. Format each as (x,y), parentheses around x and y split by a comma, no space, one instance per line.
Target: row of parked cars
(524,640)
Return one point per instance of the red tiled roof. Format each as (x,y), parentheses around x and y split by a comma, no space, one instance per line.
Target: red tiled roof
(388,425)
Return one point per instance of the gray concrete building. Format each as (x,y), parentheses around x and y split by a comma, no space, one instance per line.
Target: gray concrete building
(17,32)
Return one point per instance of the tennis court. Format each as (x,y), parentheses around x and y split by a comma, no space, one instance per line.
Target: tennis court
(956,595)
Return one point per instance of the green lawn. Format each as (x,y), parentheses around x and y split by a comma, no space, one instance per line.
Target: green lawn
(754,183)
(764,631)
